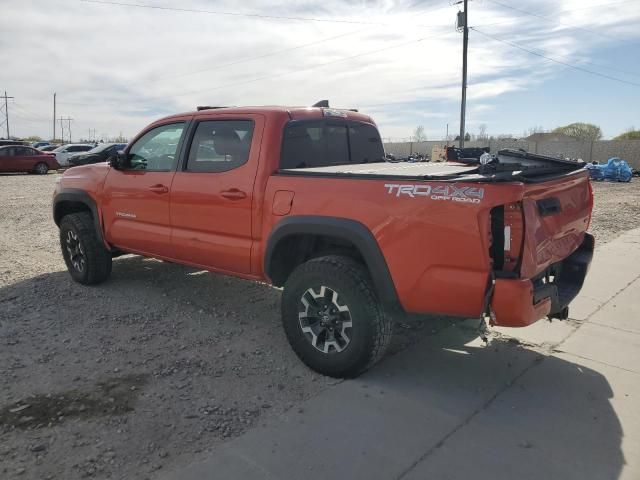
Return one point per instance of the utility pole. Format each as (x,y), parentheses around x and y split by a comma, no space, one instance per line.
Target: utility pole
(54,117)
(6,113)
(463,20)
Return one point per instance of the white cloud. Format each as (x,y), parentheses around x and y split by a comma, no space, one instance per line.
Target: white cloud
(117,68)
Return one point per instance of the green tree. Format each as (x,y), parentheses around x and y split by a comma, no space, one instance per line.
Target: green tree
(581,131)
(630,134)
(33,138)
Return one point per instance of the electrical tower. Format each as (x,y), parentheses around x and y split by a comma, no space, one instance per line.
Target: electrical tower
(6,113)
(68,121)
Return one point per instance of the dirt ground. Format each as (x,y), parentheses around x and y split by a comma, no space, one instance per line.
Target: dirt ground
(158,364)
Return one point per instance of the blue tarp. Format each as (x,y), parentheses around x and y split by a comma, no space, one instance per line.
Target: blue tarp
(615,170)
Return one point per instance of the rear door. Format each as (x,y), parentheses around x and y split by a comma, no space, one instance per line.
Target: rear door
(28,158)
(212,194)
(136,197)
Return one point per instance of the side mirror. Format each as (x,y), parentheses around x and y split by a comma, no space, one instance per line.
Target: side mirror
(118,160)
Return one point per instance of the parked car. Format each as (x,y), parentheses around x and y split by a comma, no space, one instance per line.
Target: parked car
(4,142)
(65,151)
(40,144)
(17,158)
(101,153)
(49,148)
(303,198)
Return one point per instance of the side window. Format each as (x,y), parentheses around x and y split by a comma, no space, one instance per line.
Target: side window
(366,145)
(220,145)
(156,149)
(314,144)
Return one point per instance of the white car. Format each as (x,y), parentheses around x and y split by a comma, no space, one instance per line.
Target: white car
(64,152)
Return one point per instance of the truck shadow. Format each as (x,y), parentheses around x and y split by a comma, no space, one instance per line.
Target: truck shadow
(524,414)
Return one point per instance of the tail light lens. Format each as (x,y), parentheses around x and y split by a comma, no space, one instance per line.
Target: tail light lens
(590,204)
(507,232)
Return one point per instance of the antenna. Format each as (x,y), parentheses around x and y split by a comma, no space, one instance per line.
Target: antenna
(321,104)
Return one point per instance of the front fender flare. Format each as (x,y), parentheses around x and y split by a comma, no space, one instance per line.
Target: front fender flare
(73,195)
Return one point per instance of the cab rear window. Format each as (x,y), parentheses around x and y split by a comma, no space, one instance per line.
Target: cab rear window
(329,142)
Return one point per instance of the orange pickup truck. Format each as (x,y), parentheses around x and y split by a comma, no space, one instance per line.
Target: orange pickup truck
(303,198)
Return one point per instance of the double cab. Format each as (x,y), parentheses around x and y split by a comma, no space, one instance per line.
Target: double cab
(302,198)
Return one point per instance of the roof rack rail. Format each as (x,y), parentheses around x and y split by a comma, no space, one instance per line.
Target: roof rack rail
(207,107)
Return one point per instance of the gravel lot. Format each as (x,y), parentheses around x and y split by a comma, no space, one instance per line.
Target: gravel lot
(156,365)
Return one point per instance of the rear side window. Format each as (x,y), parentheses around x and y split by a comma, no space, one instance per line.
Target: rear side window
(220,145)
(366,145)
(320,144)
(23,151)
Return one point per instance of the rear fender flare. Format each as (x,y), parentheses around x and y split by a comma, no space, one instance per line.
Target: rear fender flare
(349,230)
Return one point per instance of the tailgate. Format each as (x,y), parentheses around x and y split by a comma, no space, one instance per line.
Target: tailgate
(556,217)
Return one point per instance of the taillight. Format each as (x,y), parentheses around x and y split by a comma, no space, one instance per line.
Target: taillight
(513,235)
(590,203)
(507,232)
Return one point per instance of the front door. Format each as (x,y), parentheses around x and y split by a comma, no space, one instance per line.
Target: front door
(136,196)
(212,193)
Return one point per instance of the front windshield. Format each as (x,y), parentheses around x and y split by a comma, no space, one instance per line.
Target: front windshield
(60,148)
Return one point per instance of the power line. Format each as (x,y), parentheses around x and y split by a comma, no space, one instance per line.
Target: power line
(277,75)
(249,15)
(547,17)
(575,67)
(588,62)
(236,62)
(312,67)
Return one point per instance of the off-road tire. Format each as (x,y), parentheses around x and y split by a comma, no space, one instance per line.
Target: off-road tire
(96,268)
(371,330)
(41,168)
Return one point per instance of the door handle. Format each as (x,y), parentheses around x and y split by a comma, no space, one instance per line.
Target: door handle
(159,188)
(233,194)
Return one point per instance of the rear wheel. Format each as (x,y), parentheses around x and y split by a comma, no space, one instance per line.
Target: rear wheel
(88,261)
(332,317)
(41,168)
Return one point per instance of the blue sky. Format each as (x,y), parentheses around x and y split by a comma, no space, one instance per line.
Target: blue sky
(117,67)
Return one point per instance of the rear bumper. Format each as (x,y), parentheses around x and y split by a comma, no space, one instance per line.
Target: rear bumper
(520,302)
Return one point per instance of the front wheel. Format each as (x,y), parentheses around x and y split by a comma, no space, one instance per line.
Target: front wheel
(88,261)
(41,168)
(332,317)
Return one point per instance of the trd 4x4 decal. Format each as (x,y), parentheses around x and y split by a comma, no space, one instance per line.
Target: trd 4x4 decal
(438,192)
